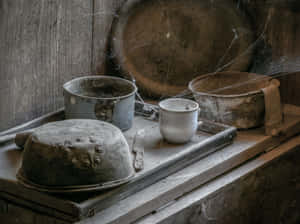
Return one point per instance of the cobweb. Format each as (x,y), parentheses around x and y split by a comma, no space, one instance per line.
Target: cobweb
(262,64)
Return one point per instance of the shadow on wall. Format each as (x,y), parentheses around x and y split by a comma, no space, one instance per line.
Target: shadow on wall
(278,52)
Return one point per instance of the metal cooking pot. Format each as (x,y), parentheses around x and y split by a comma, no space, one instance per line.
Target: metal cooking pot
(233,98)
(104,98)
(76,154)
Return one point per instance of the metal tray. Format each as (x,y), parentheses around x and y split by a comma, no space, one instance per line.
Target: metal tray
(160,160)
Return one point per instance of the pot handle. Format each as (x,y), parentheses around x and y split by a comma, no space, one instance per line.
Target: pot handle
(20,138)
(138,150)
(273,110)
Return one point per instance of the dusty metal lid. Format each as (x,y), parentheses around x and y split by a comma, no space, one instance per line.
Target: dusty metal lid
(163,44)
(74,154)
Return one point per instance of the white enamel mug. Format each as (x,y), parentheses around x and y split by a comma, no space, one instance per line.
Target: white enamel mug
(178,119)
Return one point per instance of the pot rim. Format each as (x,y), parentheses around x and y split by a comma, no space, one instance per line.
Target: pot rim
(98,77)
(192,82)
(72,188)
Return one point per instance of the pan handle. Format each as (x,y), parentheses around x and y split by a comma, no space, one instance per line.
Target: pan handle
(273,109)
(19,138)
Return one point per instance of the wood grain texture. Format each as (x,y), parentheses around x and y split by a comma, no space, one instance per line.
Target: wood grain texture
(277,25)
(43,44)
(13,214)
(283,37)
(161,194)
(264,190)
(248,145)
(104,13)
(289,88)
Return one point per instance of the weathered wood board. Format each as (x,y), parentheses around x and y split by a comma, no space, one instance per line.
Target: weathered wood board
(13,214)
(277,43)
(247,145)
(44,44)
(104,11)
(264,190)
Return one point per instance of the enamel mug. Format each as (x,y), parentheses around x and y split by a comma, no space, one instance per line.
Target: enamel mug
(178,119)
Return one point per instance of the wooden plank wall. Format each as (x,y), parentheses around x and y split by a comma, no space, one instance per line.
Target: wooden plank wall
(44,43)
(277,22)
(284,37)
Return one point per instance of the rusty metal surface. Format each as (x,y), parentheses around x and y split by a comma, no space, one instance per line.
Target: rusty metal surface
(233,98)
(163,44)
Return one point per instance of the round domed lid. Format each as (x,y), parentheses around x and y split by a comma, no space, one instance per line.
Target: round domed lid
(74,153)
